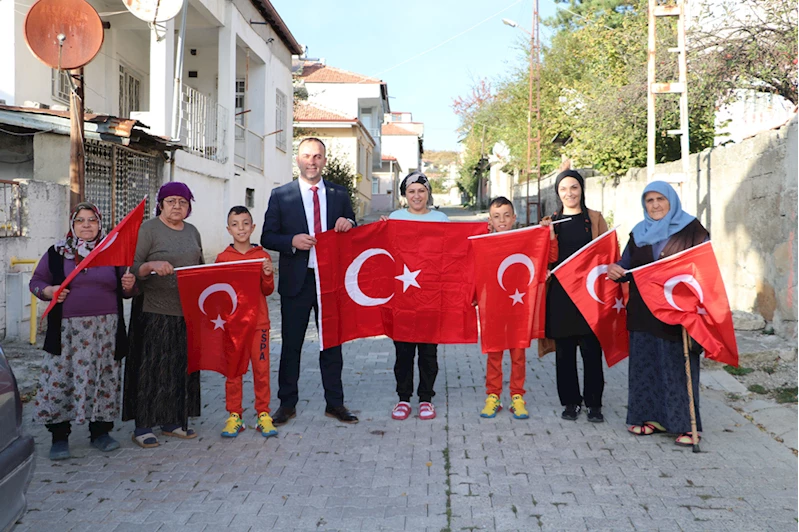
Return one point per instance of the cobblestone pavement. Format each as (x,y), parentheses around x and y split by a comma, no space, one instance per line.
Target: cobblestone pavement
(457,472)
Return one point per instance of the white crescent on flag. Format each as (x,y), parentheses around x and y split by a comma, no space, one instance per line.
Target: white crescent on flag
(668,288)
(516,258)
(218,287)
(590,281)
(105,244)
(351,279)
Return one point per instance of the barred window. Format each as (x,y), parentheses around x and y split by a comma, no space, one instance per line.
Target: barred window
(60,85)
(281,105)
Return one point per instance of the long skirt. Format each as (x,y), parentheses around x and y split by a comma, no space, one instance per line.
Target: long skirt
(658,388)
(157,389)
(83,383)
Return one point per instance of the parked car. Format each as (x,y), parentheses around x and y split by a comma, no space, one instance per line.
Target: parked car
(16,450)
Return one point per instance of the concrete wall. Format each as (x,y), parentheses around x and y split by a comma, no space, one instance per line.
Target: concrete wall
(746,196)
(342,97)
(405,148)
(44,221)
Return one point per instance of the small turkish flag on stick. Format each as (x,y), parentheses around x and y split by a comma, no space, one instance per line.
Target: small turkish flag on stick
(116,249)
(221,304)
(599,300)
(687,289)
(510,282)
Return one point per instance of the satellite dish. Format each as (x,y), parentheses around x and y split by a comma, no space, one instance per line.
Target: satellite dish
(154,10)
(64,34)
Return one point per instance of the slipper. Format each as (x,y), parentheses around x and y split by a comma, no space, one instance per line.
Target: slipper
(180,433)
(146,440)
(641,430)
(686,440)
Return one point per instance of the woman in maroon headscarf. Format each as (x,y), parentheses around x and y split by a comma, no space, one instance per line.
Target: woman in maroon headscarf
(158,392)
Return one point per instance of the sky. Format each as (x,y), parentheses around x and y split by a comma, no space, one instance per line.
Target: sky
(377,37)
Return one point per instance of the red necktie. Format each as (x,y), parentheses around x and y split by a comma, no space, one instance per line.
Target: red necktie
(317,212)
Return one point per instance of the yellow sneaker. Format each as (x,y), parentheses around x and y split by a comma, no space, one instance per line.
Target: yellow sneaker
(517,407)
(233,426)
(493,405)
(265,426)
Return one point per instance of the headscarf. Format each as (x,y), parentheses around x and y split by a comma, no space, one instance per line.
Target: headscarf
(649,231)
(417,177)
(173,188)
(73,247)
(576,175)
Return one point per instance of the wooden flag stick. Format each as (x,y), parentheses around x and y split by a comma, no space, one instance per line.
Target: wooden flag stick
(692,405)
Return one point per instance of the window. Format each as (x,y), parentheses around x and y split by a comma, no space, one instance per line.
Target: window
(281,103)
(249,198)
(375,184)
(129,92)
(60,84)
(240,114)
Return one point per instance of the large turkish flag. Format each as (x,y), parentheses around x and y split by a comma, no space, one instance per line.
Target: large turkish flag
(510,279)
(116,249)
(221,304)
(601,302)
(687,289)
(411,281)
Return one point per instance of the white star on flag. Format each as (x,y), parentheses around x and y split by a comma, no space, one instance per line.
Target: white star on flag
(219,323)
(619,304)
(408,278)
(517,298)
(701,311)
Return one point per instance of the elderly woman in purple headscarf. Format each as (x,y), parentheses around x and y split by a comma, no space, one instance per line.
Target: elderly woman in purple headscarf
(158,391)
(85,340)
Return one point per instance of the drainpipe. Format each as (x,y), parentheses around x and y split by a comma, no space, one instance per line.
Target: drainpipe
(177,108)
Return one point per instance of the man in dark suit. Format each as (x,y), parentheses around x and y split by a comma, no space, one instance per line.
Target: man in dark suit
(298,211)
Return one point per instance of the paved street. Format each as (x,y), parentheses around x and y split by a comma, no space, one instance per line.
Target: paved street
(457,472)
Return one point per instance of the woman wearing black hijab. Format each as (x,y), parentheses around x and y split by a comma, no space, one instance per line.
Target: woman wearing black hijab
(565,324)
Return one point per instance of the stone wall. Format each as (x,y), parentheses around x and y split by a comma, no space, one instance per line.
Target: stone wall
(746,196)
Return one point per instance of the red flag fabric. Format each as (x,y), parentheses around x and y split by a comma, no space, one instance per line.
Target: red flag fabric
(687,289)
(600,300)
(510,280)
(221,303)
(116,249)
(411,281)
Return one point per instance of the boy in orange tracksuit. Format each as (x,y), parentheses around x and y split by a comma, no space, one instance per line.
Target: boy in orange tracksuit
(240,226)
(501,217)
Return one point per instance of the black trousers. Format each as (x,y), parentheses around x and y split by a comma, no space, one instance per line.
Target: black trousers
(295,312)
(566,365)
(61,431)
(428,370)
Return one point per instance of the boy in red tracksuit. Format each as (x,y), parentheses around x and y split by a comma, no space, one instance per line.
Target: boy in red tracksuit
(240,226)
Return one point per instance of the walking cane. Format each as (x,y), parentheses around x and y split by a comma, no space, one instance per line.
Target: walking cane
(694,435)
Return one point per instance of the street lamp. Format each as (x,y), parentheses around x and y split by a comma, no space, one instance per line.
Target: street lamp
(533,51)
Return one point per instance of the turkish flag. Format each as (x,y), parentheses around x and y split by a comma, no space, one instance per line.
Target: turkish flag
(116,249)
(687,289)
(411,281)
(221,303)
(601,301)
(510,279)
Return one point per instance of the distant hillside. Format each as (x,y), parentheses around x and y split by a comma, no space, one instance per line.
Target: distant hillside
(440,158)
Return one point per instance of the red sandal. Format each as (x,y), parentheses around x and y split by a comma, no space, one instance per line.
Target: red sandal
(401,411)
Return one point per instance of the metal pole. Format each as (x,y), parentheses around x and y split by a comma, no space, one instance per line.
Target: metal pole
(537,49)
(530,121)
(650,96)
(77,157)
(177,108)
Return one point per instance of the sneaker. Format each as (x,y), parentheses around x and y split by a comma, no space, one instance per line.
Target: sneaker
(517,407)
(595,414)
(427,411)
(493,405)
(401,411)
(265,426)
(233,426)
(59,450)
(572,412)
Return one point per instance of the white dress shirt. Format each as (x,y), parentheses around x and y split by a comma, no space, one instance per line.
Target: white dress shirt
(307,202)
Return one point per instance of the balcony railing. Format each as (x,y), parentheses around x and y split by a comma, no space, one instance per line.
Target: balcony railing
(203,123)
(249,149)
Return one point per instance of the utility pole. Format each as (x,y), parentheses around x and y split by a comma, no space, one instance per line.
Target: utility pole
(535,72)
(77,160)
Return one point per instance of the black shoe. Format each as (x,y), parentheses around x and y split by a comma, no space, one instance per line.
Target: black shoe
(283,414)
(595,414)
(572,412)
(341,413)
